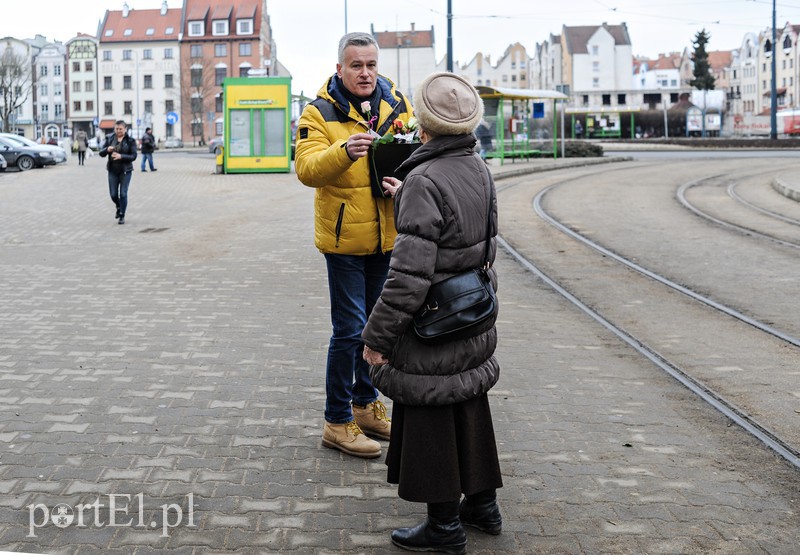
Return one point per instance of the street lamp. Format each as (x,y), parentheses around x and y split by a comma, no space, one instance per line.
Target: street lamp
(773,118)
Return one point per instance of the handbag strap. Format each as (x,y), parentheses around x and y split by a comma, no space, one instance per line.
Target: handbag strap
(488,218)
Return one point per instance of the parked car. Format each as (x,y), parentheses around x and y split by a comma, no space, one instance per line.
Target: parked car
(3,163)
(59,154)
(25,157)
(215,144)
(173,142)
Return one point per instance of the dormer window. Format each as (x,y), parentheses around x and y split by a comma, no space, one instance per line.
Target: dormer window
(150,31)
(787,43)
(109,32)
(220,27)
(768,49)
(244,26)
(196,28)
(169,30)
(128,32)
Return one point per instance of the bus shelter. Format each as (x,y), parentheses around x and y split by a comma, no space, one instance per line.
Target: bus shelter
(520,123)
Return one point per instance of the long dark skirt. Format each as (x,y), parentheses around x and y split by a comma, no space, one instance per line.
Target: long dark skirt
(438,453)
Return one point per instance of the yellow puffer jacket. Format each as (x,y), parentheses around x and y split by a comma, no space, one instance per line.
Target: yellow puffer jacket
(347,218)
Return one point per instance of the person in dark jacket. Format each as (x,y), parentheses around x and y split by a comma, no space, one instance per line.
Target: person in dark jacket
(148,147)
(442,442)
(121,152)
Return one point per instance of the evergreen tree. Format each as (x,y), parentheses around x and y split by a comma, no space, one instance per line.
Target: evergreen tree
(703,80)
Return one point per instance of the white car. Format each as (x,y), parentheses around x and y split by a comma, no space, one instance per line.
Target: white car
(3,163)
(59,154)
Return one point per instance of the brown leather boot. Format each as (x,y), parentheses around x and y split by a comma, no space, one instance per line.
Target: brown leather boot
(373,420)
(348,438)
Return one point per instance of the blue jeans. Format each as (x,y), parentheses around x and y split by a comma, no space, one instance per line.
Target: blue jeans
(355,283)
(147,156)
(118,189)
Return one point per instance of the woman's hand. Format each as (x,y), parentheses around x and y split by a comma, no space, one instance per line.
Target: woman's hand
(391,185)
(374,358)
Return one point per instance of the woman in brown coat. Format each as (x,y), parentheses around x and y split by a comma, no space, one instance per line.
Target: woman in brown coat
(442,441)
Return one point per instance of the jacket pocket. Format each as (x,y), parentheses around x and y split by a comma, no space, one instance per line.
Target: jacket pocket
(339,221)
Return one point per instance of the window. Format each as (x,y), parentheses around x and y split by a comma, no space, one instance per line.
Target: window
(218,104)
(522,77)
(787,42)
(76,86)
(169,30)
(109,32)
(220,50)
(196,51)
(197,76)
(220,73)
(147,54)
(168,81)
(621,99)
(595,66)
(148,106)
(595,50)
(168,53)
(57,90)
(88,65)
(59,110)
(245,49)
(595,82)
(243,70)
(197,105)
(43,90)
(505,79)
(46,110)
(76,106)
(90,105)
(148,81)
(514,78)
(606,100)
(43,70)
(76,66)
(244,26)
(127,107)
(196,28)
(89,86)
(126,82)
(127,32)
(673,83)
(673,98)
(57,70)
(107,83)
(586,100)
(127,54)
(150,31)
(513,64)
(220,28)
(169,105)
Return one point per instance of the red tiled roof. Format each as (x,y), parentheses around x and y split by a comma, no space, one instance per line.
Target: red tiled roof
(198,10)
(720,59)
(406,39)
(137,23)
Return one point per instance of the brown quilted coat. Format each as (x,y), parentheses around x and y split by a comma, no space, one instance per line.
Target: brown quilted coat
(440,215)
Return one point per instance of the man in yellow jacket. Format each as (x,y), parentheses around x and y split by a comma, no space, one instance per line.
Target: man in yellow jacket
(352,228)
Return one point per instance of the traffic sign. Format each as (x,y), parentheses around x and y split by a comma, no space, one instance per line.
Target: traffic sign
(172,118)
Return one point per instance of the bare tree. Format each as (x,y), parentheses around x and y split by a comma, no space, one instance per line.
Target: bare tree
(198,91)
(15,85)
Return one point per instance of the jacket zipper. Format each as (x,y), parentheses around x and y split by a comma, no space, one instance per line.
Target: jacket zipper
(339,224)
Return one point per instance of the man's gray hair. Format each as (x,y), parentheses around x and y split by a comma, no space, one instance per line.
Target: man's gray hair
(356,39)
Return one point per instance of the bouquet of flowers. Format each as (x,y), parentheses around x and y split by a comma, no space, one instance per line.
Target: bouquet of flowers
(390,149)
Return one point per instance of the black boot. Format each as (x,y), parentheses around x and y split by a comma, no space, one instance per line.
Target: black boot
(481,511)
(441,531)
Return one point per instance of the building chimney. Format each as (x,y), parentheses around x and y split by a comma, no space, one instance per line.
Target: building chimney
(412,26)
(164,7)
(125,10)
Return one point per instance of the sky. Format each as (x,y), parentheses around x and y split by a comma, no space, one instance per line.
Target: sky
(307,31)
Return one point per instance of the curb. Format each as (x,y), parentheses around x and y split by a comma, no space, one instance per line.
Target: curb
(791,191)
(577,163)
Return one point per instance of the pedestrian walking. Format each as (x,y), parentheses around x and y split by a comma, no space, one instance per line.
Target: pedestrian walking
(354,230)
(578,130)
(442,443)
(83,144)
(121,152)
(148,147)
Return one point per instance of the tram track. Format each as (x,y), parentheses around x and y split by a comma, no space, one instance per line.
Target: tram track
(742,408)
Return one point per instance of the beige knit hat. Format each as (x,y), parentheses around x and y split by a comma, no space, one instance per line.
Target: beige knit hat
(447,104)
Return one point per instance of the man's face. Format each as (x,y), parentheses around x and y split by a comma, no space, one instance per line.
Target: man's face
(359,71)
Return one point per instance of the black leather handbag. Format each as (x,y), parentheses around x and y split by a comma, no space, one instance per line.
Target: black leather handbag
(460,306)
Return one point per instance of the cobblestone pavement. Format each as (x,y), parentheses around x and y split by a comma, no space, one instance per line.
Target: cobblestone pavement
(173,366)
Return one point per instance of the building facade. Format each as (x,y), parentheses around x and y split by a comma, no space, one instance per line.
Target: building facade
(139,70)
(82,86)
(49,104)
(406,57)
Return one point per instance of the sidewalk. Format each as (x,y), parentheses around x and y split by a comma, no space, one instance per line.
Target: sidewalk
(177,362)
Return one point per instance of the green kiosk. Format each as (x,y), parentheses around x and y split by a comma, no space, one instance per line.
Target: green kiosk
(257,112)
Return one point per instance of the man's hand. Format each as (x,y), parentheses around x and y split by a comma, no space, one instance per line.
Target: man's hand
(358,145)
(374,358)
